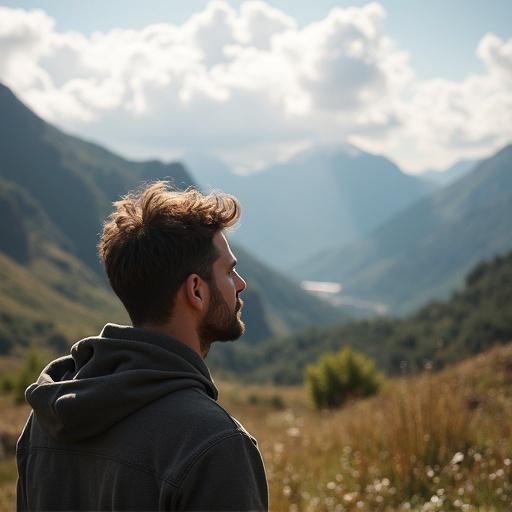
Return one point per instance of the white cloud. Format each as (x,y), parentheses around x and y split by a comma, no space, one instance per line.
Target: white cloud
(444,120)
(24,38)
(497,55)
(212,30)
(251,84)
(260,22)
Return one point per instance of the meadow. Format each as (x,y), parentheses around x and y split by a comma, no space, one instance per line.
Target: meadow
(437,441)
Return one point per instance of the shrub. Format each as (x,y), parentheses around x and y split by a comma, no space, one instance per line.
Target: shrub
(274,401)
(28,374)
(277,402)
(6,383)
(340,376)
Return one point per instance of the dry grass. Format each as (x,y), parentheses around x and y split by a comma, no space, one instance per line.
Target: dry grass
(434,442)
(7,484)
(12,419)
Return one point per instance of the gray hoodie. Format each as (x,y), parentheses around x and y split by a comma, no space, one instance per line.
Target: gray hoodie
(130,421)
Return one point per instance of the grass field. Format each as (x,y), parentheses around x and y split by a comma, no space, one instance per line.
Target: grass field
(434,442)
(12,419)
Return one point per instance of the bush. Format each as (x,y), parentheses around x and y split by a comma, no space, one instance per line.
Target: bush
(340,376)
(28,374)
(274,401)
(6,383)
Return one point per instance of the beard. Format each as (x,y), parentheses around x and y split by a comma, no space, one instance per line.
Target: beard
(220,323)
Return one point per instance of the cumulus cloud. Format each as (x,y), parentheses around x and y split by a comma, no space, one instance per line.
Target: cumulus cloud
(259,23)
(24,38)
(251,84)
(212,30)
(444,120)
(497,55)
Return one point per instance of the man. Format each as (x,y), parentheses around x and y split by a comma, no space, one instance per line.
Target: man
(129,420)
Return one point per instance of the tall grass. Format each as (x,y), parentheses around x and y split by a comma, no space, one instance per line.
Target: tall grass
(437,442)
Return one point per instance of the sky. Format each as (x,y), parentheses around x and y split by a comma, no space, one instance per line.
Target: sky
(425,83)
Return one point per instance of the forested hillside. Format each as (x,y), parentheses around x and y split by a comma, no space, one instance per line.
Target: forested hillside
(439,334)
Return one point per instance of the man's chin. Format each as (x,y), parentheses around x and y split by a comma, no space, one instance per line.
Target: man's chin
(232,334)
(235,334)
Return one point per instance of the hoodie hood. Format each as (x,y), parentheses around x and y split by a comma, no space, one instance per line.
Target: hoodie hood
(110,376)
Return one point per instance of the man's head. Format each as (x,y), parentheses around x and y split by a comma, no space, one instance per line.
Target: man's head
(159,243)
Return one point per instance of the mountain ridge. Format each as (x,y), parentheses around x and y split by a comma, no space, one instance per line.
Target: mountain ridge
(316,200)
(454,172)
(58,163)
(424,250)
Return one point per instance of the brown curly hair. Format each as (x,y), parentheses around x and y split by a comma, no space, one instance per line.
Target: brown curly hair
(155,238)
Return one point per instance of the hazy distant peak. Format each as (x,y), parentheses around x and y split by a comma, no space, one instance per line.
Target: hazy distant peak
(449,175)
(325,151)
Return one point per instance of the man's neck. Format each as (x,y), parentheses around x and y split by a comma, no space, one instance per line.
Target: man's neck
(182,333)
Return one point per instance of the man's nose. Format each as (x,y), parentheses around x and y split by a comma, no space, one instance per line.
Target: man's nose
(242,285)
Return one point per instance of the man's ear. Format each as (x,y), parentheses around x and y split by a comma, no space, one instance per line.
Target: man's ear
(196,292)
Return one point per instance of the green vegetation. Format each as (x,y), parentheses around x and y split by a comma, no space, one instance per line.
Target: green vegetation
(438,334)
(52,301)
(339,377)
(16,383)
(274,401)
(28,374)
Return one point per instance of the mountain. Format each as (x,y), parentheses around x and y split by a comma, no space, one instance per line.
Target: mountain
(74,181)
(453,173)
(317,200)
(55,191)
(211,172)
(440,333)
(424,251)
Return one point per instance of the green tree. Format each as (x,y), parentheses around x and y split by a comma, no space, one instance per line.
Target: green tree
(340,376)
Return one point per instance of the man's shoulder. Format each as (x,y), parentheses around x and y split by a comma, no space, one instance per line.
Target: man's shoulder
(184,426)
(194,409)
(181,423)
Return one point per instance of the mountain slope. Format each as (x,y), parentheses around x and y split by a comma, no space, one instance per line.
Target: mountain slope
(317,200)
(425,250)
(74,181)
(47,295)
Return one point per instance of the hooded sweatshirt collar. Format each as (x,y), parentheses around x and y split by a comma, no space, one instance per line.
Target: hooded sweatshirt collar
(110,376)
